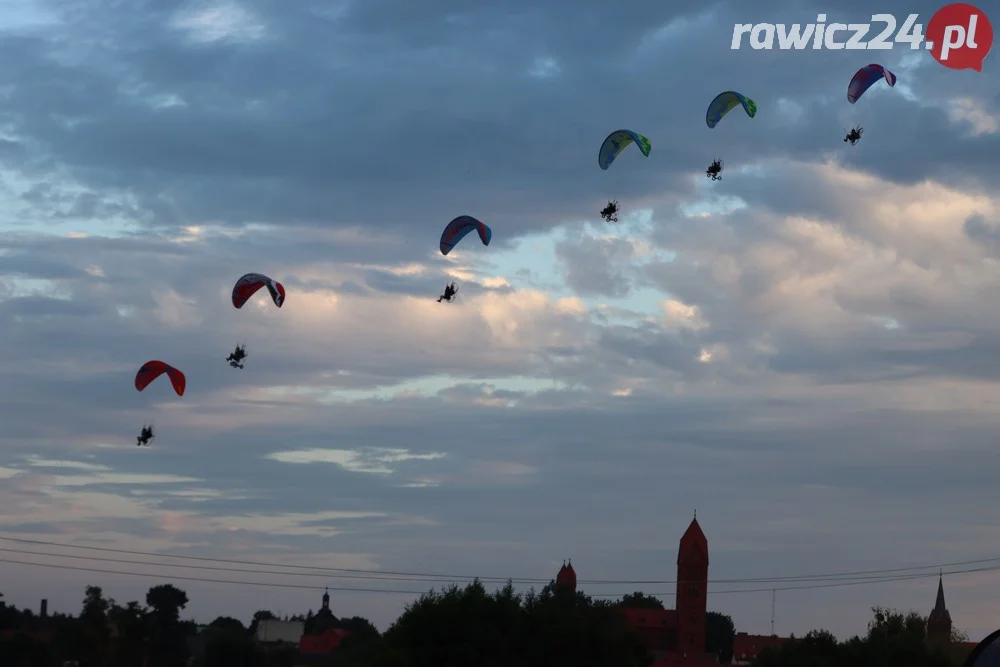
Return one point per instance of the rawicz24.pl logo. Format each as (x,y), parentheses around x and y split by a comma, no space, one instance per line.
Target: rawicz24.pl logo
(959,35)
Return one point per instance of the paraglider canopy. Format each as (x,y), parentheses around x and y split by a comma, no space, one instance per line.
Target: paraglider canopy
(154,369)
(618,141)
(457,229)
(724,103)
(248,285)
(865,78)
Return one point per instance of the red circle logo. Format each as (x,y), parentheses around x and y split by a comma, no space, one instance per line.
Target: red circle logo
(960,36)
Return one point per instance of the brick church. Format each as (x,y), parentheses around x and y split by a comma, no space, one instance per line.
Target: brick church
(675,637)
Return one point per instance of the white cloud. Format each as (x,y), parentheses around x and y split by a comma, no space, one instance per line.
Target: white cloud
(680,315)
(176,311)
(373,460)
(545,68)
(220,22)
(62,506)
(39,462)
(119,479)
(981,120)
(301,524)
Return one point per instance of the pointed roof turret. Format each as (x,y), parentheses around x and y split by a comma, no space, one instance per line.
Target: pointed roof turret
(566,577)
(693,543)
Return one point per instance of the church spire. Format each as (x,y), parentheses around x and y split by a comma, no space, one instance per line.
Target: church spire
(326,599)
(939,605)
(939,621)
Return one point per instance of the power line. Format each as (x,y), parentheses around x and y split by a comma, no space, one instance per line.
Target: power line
(217,568)
(323,575)
(207,580)
(424,575)
(388,575)
(857,582)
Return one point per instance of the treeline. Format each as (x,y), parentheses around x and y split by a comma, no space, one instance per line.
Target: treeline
(456,627)
(105,634)
(893,639)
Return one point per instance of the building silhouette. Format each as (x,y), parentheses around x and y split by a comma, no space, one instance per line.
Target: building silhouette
(321,636)
(675,637)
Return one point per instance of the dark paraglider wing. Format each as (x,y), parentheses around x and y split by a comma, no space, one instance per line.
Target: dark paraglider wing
(457,229)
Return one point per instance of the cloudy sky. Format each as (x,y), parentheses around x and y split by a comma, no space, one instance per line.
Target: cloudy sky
(807,352)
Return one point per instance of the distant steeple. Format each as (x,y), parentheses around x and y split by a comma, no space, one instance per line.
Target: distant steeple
(939,620)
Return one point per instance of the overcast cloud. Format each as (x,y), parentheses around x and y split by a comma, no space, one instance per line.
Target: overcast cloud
(807,352)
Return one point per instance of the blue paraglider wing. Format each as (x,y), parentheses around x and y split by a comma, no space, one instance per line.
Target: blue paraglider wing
(458,228)
(865,78)
(725,102)
(618,141)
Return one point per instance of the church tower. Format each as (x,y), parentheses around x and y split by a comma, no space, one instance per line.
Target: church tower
(692,591)
(939,621)
(323,619)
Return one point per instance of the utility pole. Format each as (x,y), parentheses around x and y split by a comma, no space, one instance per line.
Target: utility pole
(773,596)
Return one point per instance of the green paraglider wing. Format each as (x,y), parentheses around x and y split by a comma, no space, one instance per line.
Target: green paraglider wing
(724,103)
(618,141)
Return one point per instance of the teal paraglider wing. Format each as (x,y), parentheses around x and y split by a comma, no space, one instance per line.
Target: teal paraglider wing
(618,141)
(725,102)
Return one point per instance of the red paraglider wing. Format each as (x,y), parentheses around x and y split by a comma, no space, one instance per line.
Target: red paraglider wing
(248,285)
(154,369)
